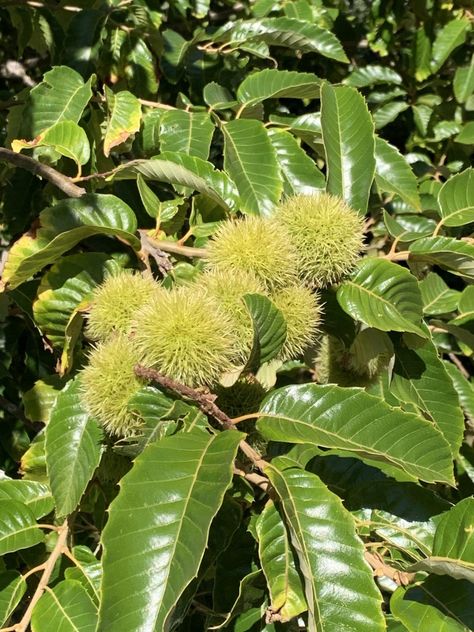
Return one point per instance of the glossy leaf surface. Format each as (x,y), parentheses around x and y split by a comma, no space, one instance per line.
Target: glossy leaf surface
(348,418)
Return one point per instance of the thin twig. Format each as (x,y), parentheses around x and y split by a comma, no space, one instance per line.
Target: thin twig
(398,256)
(205,404)
(43,582)
(173,247)
(155,104)
(455,360)
(254,478)
(37,4)
(237,420)
(381,569)
(62,182)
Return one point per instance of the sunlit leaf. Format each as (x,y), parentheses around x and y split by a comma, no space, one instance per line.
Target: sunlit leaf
(72,448)
(383,295)
(349,143)
(350,419)
(124,114)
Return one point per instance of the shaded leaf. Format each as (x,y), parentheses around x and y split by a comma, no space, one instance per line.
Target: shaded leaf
(339,588)
(250,160)
(12,589)
(463,388)
(167,501)
(371,75)
(440,603)
(87,571)
(350,419)
(408,227)
(269,329)
(349,143)
(388,113)
(437,296)
(463,83)
(384,295)
(453,556)
(446,252)
(66,286)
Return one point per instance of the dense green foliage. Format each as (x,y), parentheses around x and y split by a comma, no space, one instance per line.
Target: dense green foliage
(236,316)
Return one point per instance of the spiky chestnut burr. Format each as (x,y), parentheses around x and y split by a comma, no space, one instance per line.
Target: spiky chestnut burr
(301,309)
(185,334)
(256,245)
(230,292)
(109,382)
(115,302)
(327,233)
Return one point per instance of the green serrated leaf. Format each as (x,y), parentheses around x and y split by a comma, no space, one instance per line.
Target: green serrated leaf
(419,378)
(124,116)
(62,227)
(65,608)
(269,329)
(463,83)
(408,227)
(36,496)
(18,529)
(440,603)
(285,32)
(453,556)
(349,143)
(277,84)
(72,448)
(452,35)
(350,419)
(169,510)
(384,295)
(340,591)
(67,285)
(371,75)
(186,132)
(88,571)
(66,138)
(12,589)
(299,171)
(279,564)
(249,155)
(446,252)
(393,174)
(456,199)
(463,388)
(182,170)
(61,96)
(438,297)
